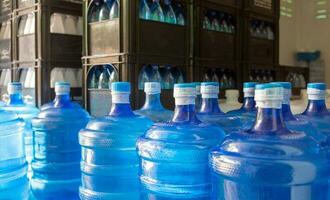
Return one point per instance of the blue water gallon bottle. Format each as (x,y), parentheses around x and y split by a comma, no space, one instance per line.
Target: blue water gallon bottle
(27,112)
(14,183)
(174,155)
(153,108)
(211,112)
(268,161)
(110,162)
(57,153)
(247,113)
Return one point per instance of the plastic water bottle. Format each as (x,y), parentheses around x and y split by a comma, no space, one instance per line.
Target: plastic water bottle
(157,13)
(14,183)
(16,105)
(56,158)
(211,112)
(269,162)
(145,12)
(153,109)
(114,11)
(174,155)
(198,103)
(180,16)
(110,162)
(247,113)
(169,13)
(104,11)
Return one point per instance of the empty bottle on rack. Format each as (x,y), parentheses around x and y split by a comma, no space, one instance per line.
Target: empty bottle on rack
(157,13)
(13,166)
(145,12)
(174,155)
(169,12)
(153,108)
(16,105)
(316,111)
(179,12)
(56,155)
(198,103)
(247,113)
(211,112)
(104,11)
(109,158)
(114,11)
(268,161)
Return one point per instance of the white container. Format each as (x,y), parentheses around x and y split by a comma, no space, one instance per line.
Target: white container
(231,102)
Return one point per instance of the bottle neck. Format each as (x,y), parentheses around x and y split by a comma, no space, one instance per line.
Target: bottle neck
(269,120)
(152,102)
(15,99)
(62,100)
(184,111)
(249,103)
(210,105)
(287,113)
(121,106)
(316,107)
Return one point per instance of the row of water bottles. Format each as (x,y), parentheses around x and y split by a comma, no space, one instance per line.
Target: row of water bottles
(261,76)
(262,29)
(226,77)
(100,10)
(165,11)
(219,21)
(102,76)
(260,151)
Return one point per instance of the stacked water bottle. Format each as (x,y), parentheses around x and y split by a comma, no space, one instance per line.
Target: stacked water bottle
(260,151)
(219,21)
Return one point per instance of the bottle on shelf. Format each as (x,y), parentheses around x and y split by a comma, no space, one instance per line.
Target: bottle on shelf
(178,152)
(247,112)
(143,76)
(231,24)
(94,11)
(104,79)
(145,12)
(223,23)
(152,108)
(180,16)
(104,11)
(93,78)
(57,154)
(258,148)
(157,13)
(215,25)
(169,13)
(108,146)
(155,74)
(168,79)
(210,111)
(114,11)
(207,23)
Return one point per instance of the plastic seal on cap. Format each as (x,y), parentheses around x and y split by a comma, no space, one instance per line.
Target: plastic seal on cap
(198,88)
(152,87)
(248,89)
(14,88)
(269,95)
(62,88)
(120,92)
(210,90)
(185,93)
(316,91)
(287,87)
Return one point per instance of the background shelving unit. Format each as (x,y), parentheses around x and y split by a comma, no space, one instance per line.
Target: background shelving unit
(43,50)
(134,43)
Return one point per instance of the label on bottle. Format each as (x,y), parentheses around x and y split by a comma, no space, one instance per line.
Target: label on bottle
(248,92)
(120,98)
(185,92)
(316,94)
(276,104)
(14,88)
(286,96)
(181,101)
(62,89)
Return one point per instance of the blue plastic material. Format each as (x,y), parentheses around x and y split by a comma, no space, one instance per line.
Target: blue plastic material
(56,161)
(198,104)
(14,183)
(24,111)
(174,155)
(109,159)
(152,108)
(210,112)
(269,162)
(247,113)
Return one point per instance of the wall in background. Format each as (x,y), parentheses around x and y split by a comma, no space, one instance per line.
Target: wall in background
(304,32)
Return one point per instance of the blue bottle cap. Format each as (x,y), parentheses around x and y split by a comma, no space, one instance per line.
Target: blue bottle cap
(121,87)
(62,87)
(318,86)
(250,84)
(285,85)
(152,88)
(14,88)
